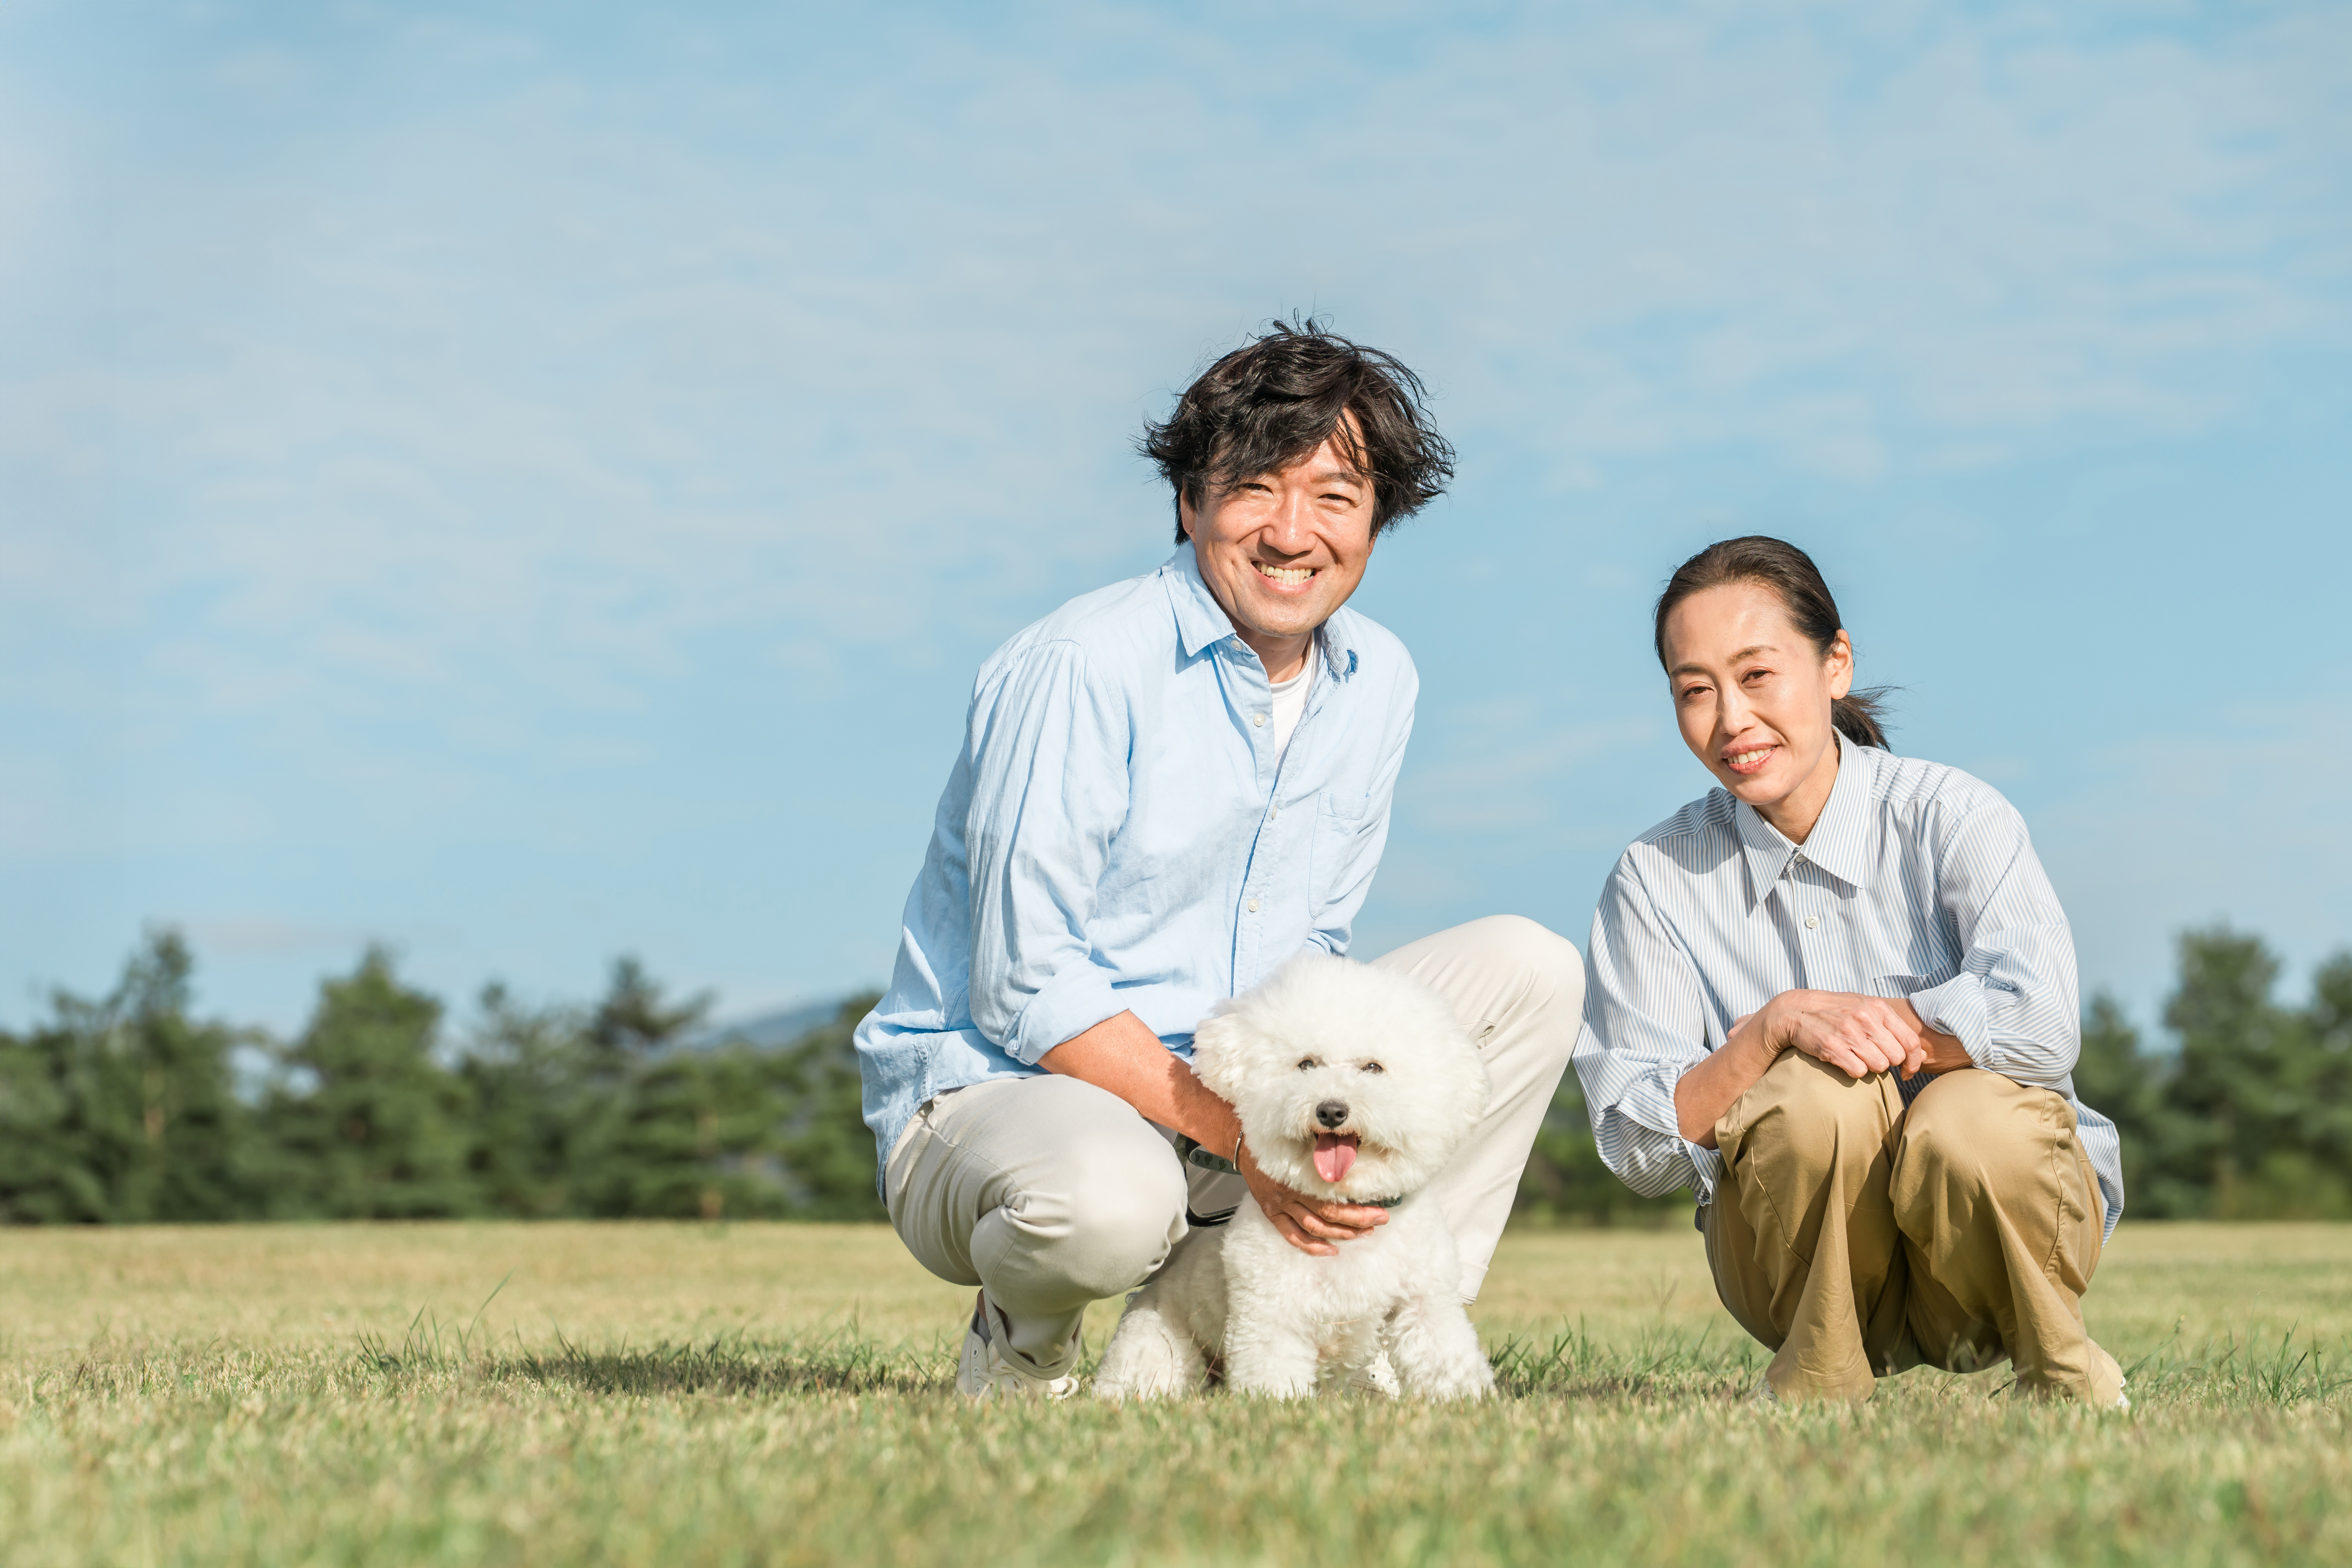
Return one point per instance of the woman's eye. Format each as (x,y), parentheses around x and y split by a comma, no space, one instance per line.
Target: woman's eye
(1305,1063)
(1374,1066)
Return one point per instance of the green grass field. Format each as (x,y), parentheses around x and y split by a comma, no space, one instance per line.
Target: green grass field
(646,1393)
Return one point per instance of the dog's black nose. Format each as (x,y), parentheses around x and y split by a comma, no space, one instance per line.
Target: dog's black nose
(1332,1112)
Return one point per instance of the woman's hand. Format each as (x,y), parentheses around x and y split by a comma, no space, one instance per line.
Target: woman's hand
(1312,1225)
(1856,1034)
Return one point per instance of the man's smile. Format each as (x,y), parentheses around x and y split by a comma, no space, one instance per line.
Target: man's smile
(1285,576)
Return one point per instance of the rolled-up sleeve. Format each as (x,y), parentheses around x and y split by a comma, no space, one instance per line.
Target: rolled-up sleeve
(1645,1027)
(2013,1004)
(1049,744)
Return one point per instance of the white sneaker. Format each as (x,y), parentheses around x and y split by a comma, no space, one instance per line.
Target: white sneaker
(986,1371)
(1376,1376)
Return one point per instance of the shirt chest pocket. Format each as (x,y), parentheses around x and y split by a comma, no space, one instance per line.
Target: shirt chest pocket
(1332,868)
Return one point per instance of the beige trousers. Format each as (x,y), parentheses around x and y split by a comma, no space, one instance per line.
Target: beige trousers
(1052,1194)
(1857,1239)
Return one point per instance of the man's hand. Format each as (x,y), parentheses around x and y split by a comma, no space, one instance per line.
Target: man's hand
(1857,1035)
(1313,1225)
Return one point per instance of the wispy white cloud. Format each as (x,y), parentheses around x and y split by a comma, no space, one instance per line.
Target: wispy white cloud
(542,372)
(390,400)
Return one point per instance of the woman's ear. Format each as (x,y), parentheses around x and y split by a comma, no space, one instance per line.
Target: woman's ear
(1838,661)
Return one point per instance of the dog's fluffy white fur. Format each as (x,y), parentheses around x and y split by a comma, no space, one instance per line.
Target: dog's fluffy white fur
(1332,1050)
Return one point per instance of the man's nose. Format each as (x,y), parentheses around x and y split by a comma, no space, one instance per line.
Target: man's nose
(1332,1112)
(1291,530)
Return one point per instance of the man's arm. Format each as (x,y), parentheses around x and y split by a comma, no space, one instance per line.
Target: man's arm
(1122,1055)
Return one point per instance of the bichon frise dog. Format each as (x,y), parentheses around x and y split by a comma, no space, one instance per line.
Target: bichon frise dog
(1352,1084)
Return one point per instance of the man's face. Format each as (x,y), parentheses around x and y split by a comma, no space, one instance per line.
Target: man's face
(1283,550)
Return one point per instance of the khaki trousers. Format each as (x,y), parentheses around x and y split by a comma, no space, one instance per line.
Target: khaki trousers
(1857,1239)
(1051,1193)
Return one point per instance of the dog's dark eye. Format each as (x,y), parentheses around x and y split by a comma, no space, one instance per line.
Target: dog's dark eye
(1305,1063)
(1374,1066)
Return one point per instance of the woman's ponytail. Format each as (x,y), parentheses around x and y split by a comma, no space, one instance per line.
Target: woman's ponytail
(1856,717)
(1860,716)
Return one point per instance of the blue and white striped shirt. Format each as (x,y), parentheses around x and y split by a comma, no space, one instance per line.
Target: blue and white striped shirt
(1917,881)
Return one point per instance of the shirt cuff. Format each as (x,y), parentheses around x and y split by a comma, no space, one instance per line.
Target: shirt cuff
(1957,1007)
(1069,1004)
(1651,1103)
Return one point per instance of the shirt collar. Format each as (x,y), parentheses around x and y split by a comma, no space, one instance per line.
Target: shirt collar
(1840,841)
(1201,622)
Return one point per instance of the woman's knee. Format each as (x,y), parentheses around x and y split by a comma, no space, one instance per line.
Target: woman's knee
(1806,1113)
(1982,1132)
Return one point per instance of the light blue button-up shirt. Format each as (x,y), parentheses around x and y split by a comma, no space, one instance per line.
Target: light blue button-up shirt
(1119,833)
(1918,881)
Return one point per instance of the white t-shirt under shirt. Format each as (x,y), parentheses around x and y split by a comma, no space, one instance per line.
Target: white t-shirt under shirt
(1290,703)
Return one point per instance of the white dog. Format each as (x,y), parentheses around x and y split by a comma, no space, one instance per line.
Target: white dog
(1352,1084)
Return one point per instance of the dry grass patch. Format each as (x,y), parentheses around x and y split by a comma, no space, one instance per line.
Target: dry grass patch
(643,1394)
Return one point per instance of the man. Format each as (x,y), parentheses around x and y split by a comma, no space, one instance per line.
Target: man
(1166,789)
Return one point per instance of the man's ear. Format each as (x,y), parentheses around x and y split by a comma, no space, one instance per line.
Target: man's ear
(1185,512)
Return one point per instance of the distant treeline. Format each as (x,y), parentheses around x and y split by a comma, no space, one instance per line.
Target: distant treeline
(129,1110)
(2246,1113)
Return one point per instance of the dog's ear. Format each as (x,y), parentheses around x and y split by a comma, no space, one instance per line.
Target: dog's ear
(1218,1047)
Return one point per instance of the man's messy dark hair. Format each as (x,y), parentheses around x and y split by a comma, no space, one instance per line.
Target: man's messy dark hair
(1276,399)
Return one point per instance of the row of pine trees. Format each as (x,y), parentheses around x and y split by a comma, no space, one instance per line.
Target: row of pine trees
(2244,1111)
(129,1109)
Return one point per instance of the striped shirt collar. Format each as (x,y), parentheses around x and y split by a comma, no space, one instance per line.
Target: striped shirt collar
(1841,841)
(1201,622)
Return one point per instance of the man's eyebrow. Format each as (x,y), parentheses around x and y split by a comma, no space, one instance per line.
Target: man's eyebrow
(1341,476)
(1694,666)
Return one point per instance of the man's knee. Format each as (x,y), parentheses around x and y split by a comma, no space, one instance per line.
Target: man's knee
(1104,1218)
(1502,966)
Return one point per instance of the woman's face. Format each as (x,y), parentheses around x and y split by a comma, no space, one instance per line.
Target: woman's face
(1753,700)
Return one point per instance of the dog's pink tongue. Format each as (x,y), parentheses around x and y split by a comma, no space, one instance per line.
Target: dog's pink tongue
(1334,1154)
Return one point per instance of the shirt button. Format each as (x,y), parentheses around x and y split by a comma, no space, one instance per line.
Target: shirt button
(1252,906)
(1811,921)
(1275,812)
(1258,718)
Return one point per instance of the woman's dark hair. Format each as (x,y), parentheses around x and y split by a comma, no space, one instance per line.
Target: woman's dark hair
(1276,399)
(1790,572)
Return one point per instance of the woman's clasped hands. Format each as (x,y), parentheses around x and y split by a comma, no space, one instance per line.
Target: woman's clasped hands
(1857,1035)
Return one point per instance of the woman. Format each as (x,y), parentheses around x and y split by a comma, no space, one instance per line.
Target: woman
(1837,997)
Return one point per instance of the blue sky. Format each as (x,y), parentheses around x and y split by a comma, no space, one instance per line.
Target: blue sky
(530,483)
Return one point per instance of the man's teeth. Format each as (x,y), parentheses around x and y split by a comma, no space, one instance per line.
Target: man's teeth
(1741,759)
(1288,574)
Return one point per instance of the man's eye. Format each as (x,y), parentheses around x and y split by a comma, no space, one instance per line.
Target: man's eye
(1305,1063)
(1374,1066)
